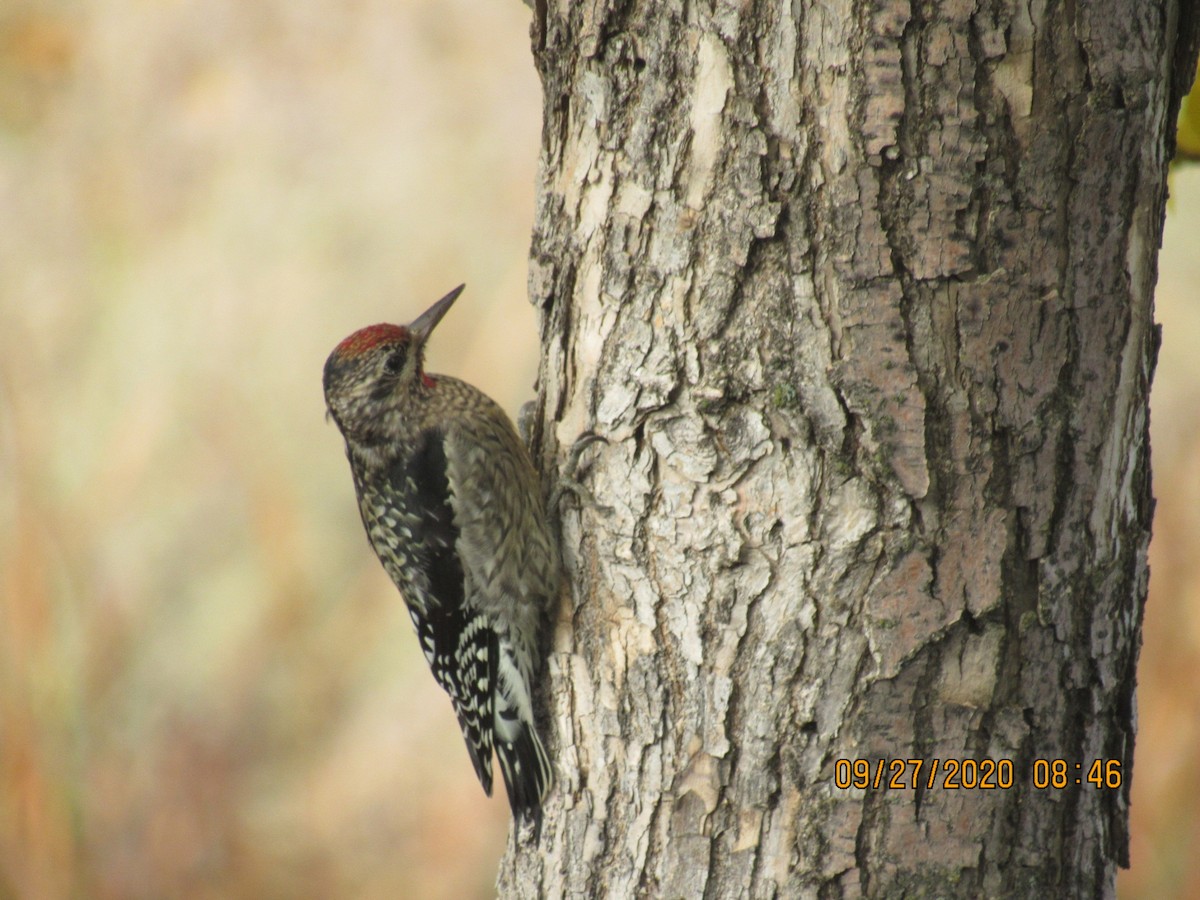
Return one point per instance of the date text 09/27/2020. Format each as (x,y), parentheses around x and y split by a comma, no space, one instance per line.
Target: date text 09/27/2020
(972,774)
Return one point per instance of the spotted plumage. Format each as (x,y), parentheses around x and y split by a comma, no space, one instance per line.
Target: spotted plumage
(453,509)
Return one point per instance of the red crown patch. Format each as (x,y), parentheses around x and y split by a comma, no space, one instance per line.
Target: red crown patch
(370,337)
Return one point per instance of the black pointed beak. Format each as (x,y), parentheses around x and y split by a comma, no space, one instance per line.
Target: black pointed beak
(423,324)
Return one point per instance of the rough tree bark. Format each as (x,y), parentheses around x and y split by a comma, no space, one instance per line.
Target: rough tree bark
(859,292)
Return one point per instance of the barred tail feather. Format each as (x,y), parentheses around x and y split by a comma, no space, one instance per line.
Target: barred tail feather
(526,770)
(523,760)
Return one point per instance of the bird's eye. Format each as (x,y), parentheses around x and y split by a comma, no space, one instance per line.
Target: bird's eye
(394,362)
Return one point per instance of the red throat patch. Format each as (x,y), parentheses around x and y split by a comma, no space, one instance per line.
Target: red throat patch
(370,337)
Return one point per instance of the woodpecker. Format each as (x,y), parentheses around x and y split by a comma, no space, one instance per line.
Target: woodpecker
(453,509)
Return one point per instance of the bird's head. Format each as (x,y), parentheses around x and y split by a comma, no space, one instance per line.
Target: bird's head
(377,368)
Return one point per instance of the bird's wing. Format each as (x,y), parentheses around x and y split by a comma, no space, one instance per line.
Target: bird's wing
(459,644)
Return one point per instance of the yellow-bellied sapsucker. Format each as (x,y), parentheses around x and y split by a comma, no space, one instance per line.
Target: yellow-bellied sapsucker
(454,511)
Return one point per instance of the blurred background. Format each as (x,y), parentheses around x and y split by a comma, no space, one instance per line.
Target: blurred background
(208,687)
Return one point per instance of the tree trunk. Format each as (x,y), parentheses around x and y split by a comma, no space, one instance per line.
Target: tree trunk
(859,294)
